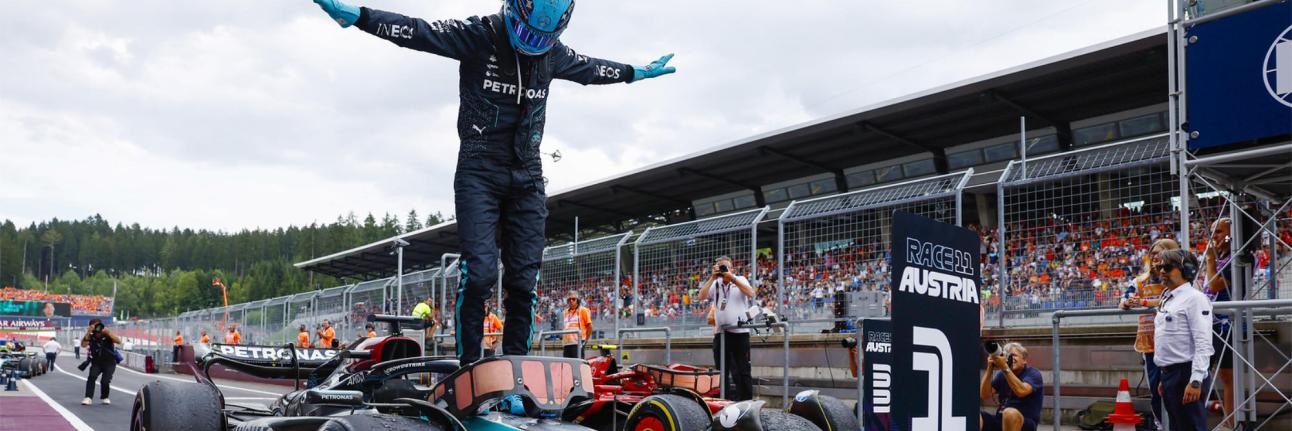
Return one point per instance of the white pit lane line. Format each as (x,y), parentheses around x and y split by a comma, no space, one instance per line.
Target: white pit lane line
(82,378)
(132,393)
(71,418)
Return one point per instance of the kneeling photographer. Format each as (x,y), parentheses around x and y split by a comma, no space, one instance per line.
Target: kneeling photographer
(101,360)
(1018,389)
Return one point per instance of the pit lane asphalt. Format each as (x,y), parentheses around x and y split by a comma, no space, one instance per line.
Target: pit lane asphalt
(66,386)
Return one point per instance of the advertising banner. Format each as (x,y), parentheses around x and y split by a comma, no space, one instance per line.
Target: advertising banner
(1239,77)
(26,323)
(47,310)
(936,274)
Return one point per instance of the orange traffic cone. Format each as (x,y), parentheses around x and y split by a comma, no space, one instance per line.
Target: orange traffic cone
(1124,417)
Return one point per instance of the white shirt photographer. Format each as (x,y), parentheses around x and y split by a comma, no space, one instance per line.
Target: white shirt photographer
(736,305)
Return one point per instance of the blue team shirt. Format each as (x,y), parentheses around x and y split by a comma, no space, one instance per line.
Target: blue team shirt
(1030,407)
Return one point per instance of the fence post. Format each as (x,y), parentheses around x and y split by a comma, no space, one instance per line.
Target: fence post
(1002,262)
(1058,383)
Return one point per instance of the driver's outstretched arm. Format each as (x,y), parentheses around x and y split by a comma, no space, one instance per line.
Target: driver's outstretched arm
(450,38)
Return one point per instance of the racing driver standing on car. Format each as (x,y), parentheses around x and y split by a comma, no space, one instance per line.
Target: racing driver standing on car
(507,60)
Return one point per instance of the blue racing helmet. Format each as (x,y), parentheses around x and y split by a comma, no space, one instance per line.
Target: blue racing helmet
(535,25)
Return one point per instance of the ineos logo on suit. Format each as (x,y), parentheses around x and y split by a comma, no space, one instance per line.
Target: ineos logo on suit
(395,30)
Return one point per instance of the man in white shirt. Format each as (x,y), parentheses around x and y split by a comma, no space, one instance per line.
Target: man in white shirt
(730,295)
(51,351)
(1182,341)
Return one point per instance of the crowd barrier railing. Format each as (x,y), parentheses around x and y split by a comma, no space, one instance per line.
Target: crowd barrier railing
(1243,357)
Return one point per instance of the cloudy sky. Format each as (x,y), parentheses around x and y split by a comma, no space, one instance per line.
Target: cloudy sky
(240,114)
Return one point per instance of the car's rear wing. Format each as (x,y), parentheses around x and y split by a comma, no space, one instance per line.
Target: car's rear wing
(700,381)
(548,384)
(269,362)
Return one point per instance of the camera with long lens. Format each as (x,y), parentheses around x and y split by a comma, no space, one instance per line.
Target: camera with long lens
(994,348)
(723,269)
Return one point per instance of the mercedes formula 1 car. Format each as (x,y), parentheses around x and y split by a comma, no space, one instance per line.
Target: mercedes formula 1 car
(385,383)
(379,383)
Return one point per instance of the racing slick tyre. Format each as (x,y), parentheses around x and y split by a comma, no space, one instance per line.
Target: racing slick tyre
(177,406)
(668,413)
(776,420)
(826,412)
(751,416)
(378,422)
(28,367)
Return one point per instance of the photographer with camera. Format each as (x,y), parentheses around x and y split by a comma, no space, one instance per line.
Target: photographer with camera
(1018,390)
(101,358)
(730,296)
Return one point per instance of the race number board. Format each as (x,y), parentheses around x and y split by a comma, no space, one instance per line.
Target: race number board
(877,375)
(936,274)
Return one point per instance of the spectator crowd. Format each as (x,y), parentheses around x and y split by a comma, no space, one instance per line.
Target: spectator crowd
(1078,261)
(82,305)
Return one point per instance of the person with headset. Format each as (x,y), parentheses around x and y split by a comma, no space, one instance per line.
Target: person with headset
(507,62)
(1182,341)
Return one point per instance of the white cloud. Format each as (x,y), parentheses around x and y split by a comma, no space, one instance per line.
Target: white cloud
(240,114)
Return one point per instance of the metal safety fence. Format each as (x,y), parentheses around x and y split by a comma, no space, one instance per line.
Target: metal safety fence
(669,262)
(1259,385)
(833,259)
(592,269)
(1076,227)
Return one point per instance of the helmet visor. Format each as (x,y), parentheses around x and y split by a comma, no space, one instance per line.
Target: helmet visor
(530,39)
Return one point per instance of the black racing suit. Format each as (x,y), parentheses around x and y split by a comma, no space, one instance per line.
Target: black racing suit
(499,192)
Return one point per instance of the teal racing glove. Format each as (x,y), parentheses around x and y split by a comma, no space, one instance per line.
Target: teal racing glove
(657,68)
(344,14)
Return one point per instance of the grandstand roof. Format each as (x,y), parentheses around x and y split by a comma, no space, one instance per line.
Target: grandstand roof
(378,259)
(1118,75)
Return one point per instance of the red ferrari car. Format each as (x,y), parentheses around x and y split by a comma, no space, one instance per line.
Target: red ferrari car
(646,397)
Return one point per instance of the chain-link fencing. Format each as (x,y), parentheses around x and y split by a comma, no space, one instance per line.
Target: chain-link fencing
(834,251)
(670,261)
(1077,227)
